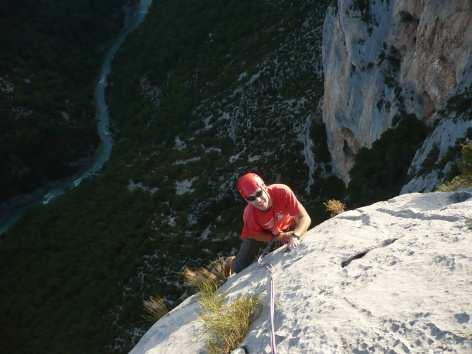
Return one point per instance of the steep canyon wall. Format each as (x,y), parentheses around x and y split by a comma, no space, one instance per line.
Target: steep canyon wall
(385,60)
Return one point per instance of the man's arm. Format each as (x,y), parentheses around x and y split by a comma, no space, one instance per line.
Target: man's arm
(302,223)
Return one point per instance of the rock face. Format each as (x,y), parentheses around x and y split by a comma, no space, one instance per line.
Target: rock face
(431,165)
(392,277)
(390,58)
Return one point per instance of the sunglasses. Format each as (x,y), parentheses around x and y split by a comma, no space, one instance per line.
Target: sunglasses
(252,198)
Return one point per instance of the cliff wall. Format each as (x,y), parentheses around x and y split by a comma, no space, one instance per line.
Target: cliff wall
(385,60)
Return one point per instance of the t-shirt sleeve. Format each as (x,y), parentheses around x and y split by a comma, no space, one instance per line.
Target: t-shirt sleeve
(292,205)
(250,227)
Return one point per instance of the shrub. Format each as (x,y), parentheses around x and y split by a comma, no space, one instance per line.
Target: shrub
(464,180)
(459,103)
(334,207)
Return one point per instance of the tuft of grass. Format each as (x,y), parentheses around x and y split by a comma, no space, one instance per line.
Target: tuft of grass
(334,207)
(198,278)
(210,300)
(217,268)
(225,324)
(155,307)
(464,180)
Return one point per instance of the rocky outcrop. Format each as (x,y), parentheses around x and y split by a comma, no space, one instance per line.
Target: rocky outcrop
(384,59)
(391,277)
(434,161)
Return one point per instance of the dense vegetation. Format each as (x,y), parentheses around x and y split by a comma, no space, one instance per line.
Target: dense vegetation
(201,92)
(464,178)
(379,172)
(49,60)
(445,165)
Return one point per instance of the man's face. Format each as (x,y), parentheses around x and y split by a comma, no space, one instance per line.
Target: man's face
(260,199)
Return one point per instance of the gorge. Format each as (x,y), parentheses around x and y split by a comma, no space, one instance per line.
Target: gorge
(203,91)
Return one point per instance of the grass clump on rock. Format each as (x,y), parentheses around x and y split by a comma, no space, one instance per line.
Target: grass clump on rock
(155,308)
(334,207)
(225,324)
(201,277)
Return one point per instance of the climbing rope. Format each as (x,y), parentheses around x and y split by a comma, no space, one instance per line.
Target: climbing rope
(273,343)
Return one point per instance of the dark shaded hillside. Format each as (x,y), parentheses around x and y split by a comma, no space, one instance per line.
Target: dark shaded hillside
(49,59)
(202,91)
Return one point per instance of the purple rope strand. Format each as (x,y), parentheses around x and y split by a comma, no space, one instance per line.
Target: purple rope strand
(273,343)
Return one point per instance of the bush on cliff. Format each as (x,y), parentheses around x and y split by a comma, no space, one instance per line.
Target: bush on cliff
(380,172)
(464,179)
(334,207)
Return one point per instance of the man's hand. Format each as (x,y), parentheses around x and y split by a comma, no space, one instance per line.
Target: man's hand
(290,238)
(283,237)
(286,237)
(293,243)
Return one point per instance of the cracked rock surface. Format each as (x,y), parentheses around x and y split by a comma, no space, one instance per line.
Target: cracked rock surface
(392,277)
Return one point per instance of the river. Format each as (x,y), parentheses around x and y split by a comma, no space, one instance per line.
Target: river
(12,210)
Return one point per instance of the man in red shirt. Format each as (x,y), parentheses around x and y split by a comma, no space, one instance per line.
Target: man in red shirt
(272,214)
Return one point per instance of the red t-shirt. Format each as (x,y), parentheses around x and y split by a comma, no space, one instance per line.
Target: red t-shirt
(280,217)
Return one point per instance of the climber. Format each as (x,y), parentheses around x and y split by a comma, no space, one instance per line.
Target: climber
(273,215)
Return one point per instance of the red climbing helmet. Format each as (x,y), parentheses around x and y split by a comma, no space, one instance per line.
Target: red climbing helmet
(249,183)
